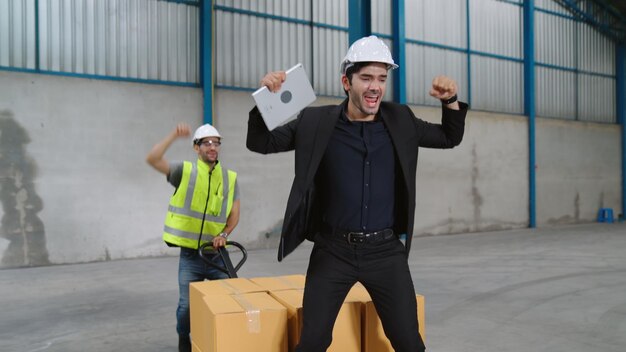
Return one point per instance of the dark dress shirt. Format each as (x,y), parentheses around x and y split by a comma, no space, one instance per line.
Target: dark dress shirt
(356,177)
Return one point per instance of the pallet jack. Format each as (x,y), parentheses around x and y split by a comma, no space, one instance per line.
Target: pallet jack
(228,267)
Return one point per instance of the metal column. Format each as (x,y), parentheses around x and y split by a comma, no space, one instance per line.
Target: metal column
(620,98)
(398,50)
(359,19)
(206,59)
(529,104)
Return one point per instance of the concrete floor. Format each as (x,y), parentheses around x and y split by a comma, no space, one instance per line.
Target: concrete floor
(552,289)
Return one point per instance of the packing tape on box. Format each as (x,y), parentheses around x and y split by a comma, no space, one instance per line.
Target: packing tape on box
(253,314)
(231,288)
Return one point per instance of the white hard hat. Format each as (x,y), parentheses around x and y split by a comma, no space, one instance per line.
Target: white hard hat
(368,49)
(205,131)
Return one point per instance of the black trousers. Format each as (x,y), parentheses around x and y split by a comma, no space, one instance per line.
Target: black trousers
(335,266)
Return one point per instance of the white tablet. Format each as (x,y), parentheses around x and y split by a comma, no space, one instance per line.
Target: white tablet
(294,95)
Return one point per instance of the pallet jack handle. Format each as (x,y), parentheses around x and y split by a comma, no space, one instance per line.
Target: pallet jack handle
(228,267)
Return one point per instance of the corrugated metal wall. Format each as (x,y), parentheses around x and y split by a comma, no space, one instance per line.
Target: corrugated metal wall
(497,85)
(381,26)
(436,21)
(17,33)
(556,45)
(139,39)
(496,29)
(596,98)
(159,40)
(381,17)
(256,37)
(424,62)
(329,45)
(575,68)
(552,6)
(556,40)
(556,93)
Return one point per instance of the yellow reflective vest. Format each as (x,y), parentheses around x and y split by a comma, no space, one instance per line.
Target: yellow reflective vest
(202,202)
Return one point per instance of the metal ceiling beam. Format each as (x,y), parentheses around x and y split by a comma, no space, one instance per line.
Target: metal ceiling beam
(599,14)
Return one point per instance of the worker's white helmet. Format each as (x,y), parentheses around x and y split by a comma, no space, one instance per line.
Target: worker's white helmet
(368,49)
(205,131)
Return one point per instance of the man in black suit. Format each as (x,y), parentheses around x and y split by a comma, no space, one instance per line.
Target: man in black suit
(354,192)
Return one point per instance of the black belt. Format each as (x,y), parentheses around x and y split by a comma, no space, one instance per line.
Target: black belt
(364,237)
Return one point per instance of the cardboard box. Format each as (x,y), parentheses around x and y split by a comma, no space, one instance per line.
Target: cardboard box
(195,348)
(222,287)
(278,283)
(374,338)
(240,322)
(199,290)
(346,332)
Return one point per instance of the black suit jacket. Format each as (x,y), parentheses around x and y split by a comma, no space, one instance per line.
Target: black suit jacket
(309,135)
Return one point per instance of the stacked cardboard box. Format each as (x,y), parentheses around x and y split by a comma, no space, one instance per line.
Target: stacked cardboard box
(265,314)
(346,332)
(374,339)
(279,283)
(236,315)
(222,287)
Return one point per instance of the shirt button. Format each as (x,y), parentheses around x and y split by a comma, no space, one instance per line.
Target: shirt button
(366,207)
(367,163)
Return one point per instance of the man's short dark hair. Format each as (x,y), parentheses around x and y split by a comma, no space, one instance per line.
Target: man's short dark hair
(355,68)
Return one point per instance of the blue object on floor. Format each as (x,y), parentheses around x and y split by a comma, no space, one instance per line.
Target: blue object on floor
(605,215)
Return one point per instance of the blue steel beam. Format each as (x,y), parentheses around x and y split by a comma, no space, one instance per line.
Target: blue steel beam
(279,18)
(206,59)
(529,104)
(596,13)
(468,52)
(399,51)
(359,19)
(37,66)
(620,98)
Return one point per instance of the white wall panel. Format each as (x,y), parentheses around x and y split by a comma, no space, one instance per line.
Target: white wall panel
(497,85)
(300,9)
(332,12)
(556,93)
(596,52)
(329,48)
(424,64)
(150,39)
(555,41)
(437,21)
(381,16)
(596,99)
(248,46)
(496,28)
(144,39)
(17,33)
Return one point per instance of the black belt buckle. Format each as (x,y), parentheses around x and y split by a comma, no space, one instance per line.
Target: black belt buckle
(355,237)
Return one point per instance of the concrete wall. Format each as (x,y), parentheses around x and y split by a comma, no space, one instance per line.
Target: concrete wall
(74,185)
(82,144)
(480,185)
(578,170)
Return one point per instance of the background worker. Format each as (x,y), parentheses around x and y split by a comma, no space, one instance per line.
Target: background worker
(354,192)
(204,207)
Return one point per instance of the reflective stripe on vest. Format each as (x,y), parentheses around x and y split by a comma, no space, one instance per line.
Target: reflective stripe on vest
(184,220)
(186,209)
